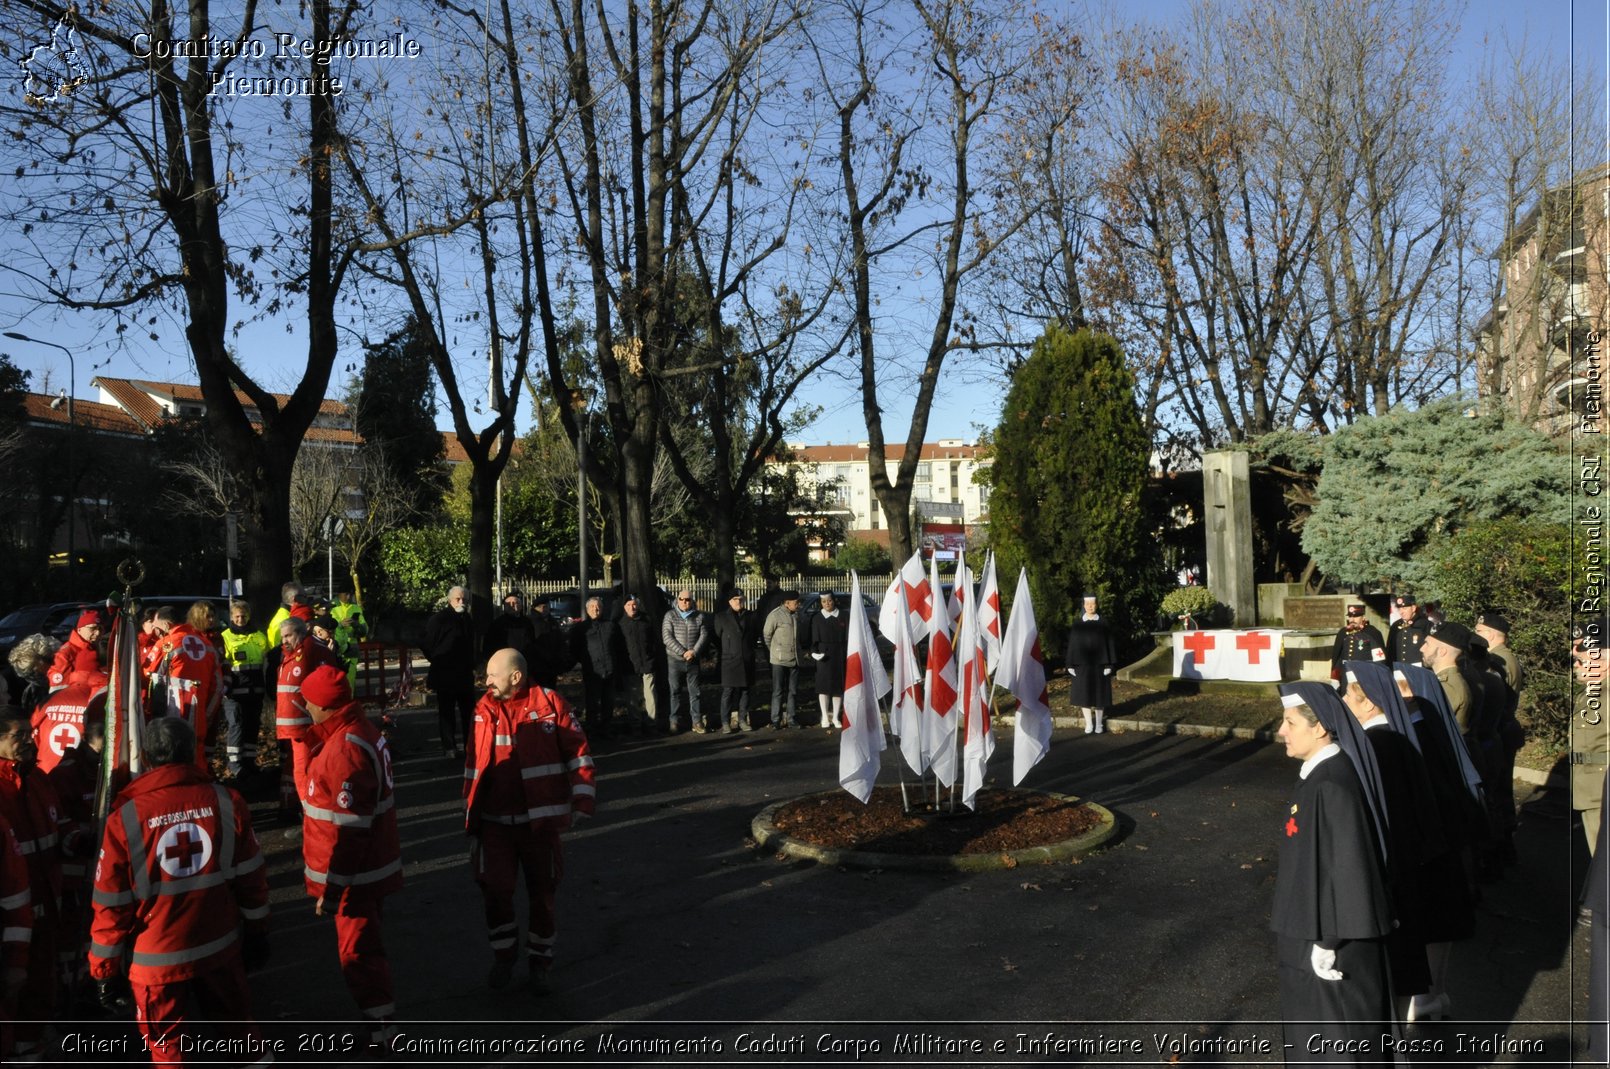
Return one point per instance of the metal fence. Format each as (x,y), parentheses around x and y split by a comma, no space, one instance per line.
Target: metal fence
(707,591)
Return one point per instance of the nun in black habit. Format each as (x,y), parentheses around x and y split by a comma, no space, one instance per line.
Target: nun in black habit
(1331,910)
(1422,874)
(1091,658)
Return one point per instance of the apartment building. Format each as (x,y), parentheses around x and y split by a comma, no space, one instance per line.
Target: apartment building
(944,495)
(1540,350)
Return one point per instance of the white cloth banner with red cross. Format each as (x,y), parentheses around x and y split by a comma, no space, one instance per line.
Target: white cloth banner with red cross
(1251,656)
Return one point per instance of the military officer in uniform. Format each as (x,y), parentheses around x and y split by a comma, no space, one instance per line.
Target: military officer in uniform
(1407,632)
(1358,640)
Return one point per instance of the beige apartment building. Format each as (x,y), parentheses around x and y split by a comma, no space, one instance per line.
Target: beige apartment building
(944,494)
(1540,350)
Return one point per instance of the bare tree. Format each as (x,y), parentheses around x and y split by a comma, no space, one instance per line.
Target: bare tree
(922,97)
(1389,177)
(1207,238)
(122,178)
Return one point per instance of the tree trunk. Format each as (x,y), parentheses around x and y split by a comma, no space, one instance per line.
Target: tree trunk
(483,529)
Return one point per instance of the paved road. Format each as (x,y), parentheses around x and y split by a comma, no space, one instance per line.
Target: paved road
(674,928)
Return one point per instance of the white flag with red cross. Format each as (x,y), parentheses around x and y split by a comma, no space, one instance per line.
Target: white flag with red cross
(1022,671)
(905,710)
(861,742)
(939,692)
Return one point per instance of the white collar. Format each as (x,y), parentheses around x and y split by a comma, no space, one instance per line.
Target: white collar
(830,615)
(1313,762)
(1379,720)
(1092,616)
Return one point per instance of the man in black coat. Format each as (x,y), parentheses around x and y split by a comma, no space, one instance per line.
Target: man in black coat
(640,644)
(513,629)
(594,642)
(449,645)
(736,637)
(1091,659)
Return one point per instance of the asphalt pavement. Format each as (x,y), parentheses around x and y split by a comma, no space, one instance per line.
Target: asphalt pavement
(681,943)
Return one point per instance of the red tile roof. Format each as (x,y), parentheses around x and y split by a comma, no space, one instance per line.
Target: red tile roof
(91,415)
(140,411)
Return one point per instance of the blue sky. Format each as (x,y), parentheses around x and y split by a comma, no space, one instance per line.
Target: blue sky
(1558,27)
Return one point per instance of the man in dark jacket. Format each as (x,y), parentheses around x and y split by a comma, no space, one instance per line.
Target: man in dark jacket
(736,636)
(593,642)
(449,645)
(1091,658)
(513,629)
(641,642)
(550,655)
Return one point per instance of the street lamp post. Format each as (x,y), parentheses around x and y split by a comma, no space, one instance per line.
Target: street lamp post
(72,518)
(581,513)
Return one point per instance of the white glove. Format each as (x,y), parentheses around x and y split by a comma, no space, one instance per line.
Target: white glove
(1324,963)
(817,656)
(1106,671)
(1072,673)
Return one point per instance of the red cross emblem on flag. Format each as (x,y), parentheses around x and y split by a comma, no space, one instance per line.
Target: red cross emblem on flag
(1197,643)
(1253,643)
(184,850)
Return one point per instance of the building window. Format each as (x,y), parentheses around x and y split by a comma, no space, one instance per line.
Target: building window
(924,472)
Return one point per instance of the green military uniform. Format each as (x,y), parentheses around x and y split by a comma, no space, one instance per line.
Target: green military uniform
(1459,700)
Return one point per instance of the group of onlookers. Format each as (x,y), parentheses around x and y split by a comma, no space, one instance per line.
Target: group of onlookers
(641,674)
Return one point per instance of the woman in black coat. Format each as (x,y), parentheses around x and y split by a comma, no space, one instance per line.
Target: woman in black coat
(1091,659)
(830,645)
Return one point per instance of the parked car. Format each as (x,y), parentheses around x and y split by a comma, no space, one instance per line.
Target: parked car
(566,606)
(23,620)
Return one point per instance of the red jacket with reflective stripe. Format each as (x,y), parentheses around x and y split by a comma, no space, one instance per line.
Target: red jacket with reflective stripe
(349,816)
(16,902)
(59,720)
(179,871)
(76,662)
(187,682)
(290,711)
(29,804)
(535,731)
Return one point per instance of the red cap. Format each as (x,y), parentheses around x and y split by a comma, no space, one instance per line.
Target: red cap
(327,687)
(89,616)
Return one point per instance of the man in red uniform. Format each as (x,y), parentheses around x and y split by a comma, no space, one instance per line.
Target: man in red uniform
(527,772)
(78,661)
(187,679)
(299,656)
(178,880)
(16,930)
(74,779)
(349,836)
(29,805)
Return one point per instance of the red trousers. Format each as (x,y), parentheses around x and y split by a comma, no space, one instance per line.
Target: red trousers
(221,995)
(293,773)
(497,856)
(36,1003)
(364,965)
